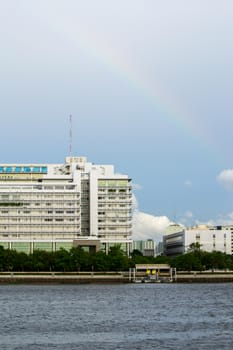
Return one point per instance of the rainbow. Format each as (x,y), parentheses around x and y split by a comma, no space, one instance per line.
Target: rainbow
(93,44)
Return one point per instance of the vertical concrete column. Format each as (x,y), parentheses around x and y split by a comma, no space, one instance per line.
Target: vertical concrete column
(93,200)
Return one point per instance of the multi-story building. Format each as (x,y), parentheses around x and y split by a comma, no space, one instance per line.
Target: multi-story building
(229,228)
(147,248)
(210,238)
(48,206)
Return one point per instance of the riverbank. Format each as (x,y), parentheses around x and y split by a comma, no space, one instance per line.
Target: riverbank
(61,278)
(91,277)
(204,277)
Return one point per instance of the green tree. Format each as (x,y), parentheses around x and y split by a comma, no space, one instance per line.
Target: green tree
(100,262)
(40,260)
(135,253)
(187,262)
(117,259)
(195,248)
(62,260)
(80,260)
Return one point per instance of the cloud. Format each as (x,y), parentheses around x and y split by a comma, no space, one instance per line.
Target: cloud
(187,218)
(136,186)
(188,183)
(188,214)
(224,219)
(221,220)
(147,226)
(230,216)
(225,178)
(134,203)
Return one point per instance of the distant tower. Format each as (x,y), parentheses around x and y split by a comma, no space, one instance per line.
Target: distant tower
(70,141)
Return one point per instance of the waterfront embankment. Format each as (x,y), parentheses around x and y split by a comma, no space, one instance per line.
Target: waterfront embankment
(204,277)
(62,278)
(91,277)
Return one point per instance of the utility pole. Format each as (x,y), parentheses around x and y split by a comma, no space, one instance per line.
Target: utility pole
(70,141)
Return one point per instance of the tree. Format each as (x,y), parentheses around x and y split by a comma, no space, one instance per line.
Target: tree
(100,262)
(195,247)
(117,259)
(135,253)
(187,262)
(80,260)
(62,260)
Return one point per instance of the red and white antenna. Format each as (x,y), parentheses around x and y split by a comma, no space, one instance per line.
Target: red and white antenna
(70,147)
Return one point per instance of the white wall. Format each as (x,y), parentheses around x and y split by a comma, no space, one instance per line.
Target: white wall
(221,242)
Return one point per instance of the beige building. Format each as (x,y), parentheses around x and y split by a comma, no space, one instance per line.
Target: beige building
(48,206)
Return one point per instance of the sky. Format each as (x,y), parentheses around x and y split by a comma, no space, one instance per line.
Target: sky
(149,85)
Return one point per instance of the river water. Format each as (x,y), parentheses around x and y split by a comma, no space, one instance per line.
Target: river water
(119,316)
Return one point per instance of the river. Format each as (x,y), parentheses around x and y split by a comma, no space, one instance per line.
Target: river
(116,316)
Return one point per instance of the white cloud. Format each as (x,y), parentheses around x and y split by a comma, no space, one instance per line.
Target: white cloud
(136,186)
(230,216)
(146,226)
(188,214)
(220,220)
(224,219)
(134,203)
(226,178)
(188,183)
(187,219)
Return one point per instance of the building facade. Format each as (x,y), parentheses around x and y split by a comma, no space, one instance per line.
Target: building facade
(48,206)
(147,248)
(210,238)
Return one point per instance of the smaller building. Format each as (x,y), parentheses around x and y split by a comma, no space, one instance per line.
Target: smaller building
(210,238)
(159,248)
(147,248)
(174,243)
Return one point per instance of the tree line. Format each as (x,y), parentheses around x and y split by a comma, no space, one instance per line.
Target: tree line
(78,260)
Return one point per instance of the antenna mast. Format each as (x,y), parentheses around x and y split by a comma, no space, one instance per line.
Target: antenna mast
(70,146)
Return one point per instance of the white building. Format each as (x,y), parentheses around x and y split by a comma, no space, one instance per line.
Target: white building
(211,238)
(48,206)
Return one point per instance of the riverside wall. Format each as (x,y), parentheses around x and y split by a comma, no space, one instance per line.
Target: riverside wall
(204,277)
(59,278)
(120,277)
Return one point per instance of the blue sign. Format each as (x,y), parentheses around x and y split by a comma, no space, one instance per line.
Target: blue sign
(23,169)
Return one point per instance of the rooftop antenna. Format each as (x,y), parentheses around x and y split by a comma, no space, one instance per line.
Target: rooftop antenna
(70,146)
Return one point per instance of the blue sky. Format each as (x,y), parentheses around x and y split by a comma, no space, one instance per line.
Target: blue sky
(149,85)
